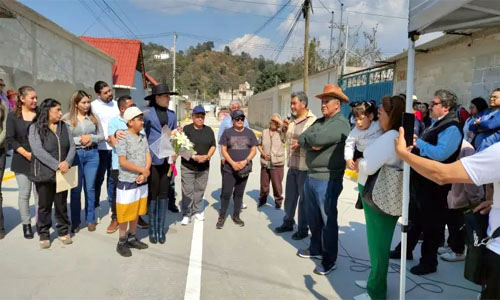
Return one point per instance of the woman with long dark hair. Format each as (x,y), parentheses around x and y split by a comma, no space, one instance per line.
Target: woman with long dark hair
(18,122)
(53,150)
(87,133)
(3,155)
(379,227)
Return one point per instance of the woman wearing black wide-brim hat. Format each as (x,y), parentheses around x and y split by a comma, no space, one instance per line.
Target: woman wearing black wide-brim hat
(155,118)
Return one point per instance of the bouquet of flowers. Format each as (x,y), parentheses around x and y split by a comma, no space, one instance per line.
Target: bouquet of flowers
(182,146)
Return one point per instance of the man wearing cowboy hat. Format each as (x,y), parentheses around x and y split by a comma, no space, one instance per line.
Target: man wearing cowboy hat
(324,142)
(155,118)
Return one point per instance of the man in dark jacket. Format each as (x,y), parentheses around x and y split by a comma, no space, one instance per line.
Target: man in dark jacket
(324,142)
(440,142)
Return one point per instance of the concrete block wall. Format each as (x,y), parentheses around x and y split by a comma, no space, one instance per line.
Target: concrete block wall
(55,65)
(470,67)
(262,105)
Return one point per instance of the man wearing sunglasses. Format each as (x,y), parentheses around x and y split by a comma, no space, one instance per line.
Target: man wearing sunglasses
(428,201)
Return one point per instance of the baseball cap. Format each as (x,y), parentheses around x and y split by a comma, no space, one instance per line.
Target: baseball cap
(199,110)
(236,114)
(131,113)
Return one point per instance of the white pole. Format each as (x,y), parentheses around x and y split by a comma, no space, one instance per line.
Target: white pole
(406,171)
(173,104)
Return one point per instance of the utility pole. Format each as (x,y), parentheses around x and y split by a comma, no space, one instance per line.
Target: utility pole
(345,47)
(341,29)
(173,104)
(331,41)
(305,10)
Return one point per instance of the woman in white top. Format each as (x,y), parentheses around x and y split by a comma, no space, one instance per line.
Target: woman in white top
(380,228)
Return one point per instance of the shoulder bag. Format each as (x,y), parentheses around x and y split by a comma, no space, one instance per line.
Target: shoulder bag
(384,191)
(476,226)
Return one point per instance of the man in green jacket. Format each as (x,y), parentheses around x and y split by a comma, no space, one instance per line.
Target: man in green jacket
(324,142)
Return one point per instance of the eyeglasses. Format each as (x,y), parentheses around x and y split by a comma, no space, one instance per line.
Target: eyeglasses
(239,119)
(1,84)
(435,103)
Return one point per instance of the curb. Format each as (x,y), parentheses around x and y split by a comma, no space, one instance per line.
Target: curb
(8,176)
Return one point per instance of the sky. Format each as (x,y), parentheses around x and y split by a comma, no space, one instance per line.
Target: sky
(243,25)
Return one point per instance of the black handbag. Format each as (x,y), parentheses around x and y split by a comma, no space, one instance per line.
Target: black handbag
(245,172)
(40,172)
(477,239)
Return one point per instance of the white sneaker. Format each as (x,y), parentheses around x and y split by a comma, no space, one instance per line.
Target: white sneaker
(361,283)
(443,250)
(243,206)
(185,221)
(363,296)
(199,217)
(452,256)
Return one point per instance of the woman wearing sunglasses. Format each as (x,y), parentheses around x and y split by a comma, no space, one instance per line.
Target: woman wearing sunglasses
(238,148)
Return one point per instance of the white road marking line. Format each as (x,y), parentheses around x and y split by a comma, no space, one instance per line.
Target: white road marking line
(193,282)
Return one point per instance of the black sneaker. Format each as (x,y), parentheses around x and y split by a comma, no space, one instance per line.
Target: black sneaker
(283,228)
(238,221)
(299,236)
(305,253)
(123,249)
(261,203)
(320,270)
(422,269)
(220,223)
(133,242)
(396,254)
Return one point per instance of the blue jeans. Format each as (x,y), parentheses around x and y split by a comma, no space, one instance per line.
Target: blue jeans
(105,159)
(87,162)
(321,209)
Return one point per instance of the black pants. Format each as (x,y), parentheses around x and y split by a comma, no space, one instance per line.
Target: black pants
(114,178)
(491,288)
(46,197)
(234,185)
(428,216)
(159,182)
(455,221)
(3,155)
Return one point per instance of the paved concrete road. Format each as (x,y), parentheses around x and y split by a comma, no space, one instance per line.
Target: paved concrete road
(251,262)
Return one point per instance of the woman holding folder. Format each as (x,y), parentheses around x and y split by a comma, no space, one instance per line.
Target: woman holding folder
(87,132)
(53,149)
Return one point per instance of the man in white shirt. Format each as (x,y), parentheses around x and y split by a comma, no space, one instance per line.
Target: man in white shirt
(480,168)
(105,108)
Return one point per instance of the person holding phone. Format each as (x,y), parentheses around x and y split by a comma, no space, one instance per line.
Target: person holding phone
(428,200)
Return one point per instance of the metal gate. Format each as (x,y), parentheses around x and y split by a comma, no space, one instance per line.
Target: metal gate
(368,85)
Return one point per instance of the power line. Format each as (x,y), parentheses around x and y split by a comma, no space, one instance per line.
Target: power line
(324,6)
(284,41)
(92,13)
(329,9)
(119,18)
(263,26)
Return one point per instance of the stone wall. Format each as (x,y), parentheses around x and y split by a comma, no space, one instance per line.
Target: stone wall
(469,66)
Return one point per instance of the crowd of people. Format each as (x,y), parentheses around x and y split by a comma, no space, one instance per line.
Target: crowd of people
(452,159)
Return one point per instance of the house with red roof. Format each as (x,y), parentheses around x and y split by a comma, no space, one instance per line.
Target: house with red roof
(129,75)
